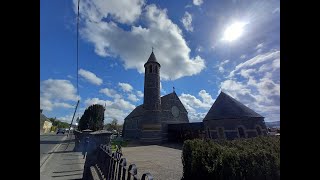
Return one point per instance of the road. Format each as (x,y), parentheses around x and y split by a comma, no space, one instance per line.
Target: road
(48,142)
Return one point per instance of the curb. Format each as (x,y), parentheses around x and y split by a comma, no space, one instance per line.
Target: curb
(45,159)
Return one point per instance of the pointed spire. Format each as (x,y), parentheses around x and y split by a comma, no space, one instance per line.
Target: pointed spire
(173,88)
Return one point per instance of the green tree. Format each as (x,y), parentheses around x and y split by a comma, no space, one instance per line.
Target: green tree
(113,126)
(92,118)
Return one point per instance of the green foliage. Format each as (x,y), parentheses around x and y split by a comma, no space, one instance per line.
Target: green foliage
(92,118)
(113,126)
(254,158)
(58,123)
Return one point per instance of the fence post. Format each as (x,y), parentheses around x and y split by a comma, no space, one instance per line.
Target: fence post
(147,175)
(132,171)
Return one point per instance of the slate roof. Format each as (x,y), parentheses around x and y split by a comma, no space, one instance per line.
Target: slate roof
(138,111)
(226,107)
(152,58)
(165,101)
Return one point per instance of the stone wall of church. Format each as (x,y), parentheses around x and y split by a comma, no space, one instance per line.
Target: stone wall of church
(229,128)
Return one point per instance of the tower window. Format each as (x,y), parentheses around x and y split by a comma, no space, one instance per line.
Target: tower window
(241,132)
(150,69)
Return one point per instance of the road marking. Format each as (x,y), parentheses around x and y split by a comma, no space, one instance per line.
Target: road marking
(45,158)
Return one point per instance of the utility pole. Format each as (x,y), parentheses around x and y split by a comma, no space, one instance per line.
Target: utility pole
(73,117)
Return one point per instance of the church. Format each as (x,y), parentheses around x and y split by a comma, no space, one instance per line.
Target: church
(160,119)
(149,121)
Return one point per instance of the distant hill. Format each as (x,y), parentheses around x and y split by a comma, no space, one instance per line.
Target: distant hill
(273,124)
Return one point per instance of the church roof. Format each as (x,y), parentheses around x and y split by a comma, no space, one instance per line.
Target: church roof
(138,111)
(165,101)
(226,107)
(152,58)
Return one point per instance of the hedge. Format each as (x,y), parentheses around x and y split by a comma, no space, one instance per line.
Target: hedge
(254,158)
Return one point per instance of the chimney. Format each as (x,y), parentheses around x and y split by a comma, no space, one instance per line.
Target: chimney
(40,111)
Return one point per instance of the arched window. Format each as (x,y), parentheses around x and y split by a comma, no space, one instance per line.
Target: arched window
(221,132)
(150,69)
(209,134)
(241,132)
(258,130)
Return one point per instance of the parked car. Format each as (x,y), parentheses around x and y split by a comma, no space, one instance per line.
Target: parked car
(61,131)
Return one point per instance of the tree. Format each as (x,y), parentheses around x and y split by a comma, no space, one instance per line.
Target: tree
(114,126)
(92,118)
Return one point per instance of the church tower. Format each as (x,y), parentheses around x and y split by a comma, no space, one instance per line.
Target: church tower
(152,100)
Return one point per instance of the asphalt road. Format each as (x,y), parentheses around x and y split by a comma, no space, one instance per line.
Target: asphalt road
(48,142)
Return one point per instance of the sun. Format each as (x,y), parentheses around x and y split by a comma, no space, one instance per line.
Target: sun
(234,31)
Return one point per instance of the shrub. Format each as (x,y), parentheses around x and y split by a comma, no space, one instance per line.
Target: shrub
(255,158)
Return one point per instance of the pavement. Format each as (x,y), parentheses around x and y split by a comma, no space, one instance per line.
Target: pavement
(61,161)
(162,162)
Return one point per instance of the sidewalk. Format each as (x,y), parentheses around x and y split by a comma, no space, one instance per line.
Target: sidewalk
(63,163)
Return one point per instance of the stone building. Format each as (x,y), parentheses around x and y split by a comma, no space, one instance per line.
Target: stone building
(230,119)
(148,122)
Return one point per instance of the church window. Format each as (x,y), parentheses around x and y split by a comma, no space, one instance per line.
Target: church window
(150,69)
(221,132)
(258,130)
(241,132)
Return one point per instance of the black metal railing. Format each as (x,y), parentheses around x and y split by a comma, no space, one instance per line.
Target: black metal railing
(112,166)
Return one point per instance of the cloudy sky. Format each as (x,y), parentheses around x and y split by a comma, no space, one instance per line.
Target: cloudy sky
(203,47)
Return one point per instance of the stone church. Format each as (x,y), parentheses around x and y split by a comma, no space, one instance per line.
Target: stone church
(160,119)
(148,122)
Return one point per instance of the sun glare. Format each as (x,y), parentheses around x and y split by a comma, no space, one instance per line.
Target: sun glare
(234,31)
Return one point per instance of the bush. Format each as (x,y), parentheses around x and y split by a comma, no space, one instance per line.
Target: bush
(255,158)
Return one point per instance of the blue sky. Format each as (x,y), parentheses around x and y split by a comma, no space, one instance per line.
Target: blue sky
(203,47)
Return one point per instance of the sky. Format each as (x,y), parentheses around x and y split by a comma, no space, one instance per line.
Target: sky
(204,47)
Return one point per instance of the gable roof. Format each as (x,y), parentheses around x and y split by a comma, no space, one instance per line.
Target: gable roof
(138,111)
(226,107)
(165,101)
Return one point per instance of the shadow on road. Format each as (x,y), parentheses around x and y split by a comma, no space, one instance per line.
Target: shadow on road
(68,175)
(68,171)
(58,152)
(56,142)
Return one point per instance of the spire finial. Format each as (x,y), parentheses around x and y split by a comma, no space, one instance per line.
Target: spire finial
(173,88)
(152,48)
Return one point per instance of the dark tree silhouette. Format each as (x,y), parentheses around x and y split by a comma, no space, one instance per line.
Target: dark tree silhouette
(92,118)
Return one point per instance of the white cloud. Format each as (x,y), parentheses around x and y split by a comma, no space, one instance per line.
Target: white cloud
(90,77)
(221,68)
(199,49)
(117,109)
(62,104)
(197,2)
(159,31)
(139,94)
(187,21)
(194,105)
(125,87)
(277,10)
(133,98)
(246,72)
(243,56)
(261,58)
(54,91)
(110,93)
(123,11)
(261,90)
(259,46)
(206,97)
